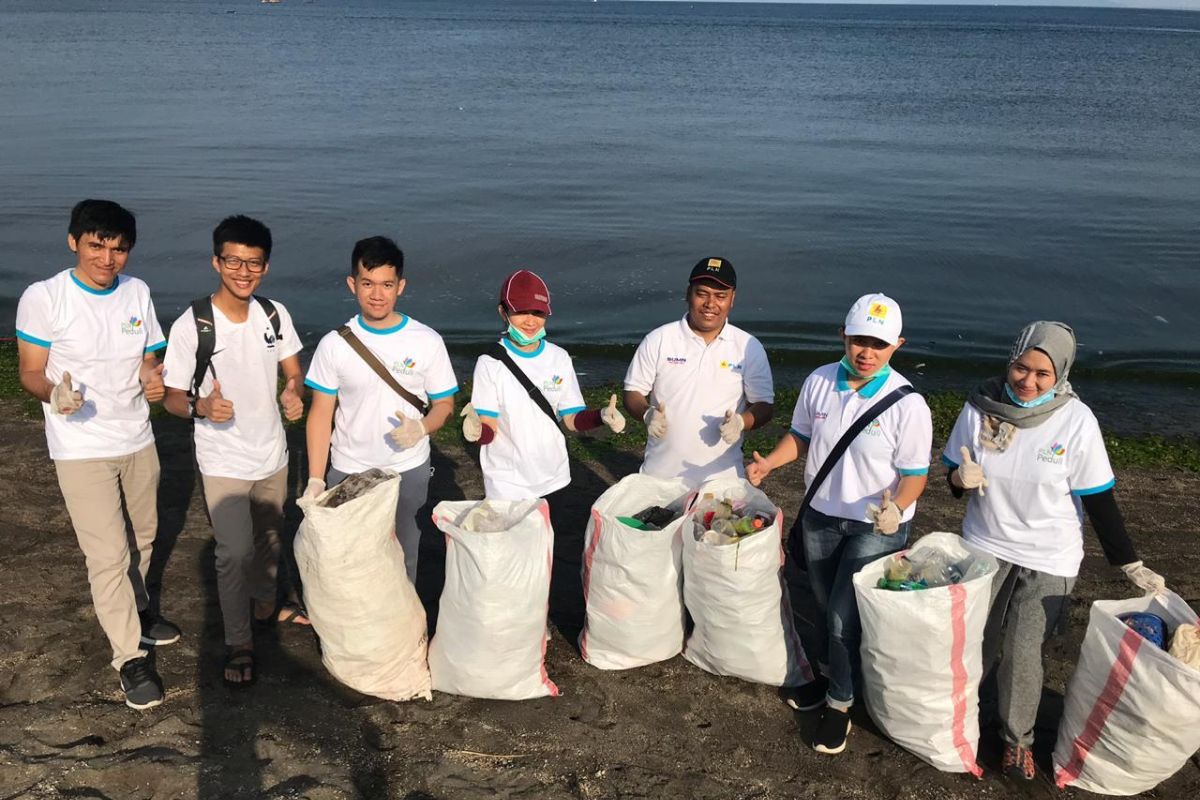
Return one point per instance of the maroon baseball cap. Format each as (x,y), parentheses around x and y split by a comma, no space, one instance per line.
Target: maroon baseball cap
(525,291)
(714,269)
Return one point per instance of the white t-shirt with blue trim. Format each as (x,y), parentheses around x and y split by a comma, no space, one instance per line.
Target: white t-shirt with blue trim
(1030,513)
(528,457)
(101,337)
(367,407)
(895,444)
(251,446)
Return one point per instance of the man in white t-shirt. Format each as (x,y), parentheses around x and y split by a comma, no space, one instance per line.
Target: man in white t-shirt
(240,445)
(88,339)
(356,420)
(708,377)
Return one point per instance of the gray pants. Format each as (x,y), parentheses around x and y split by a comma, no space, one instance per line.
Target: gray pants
(414,491)
(1027,607)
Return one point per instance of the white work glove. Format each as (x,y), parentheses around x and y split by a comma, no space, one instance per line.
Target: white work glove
(656,421)
(731,428)
(408,432)
(315,487)
(609,415)
(970,474)
(472,425)
(1144,578)
(64,398)
(887,518)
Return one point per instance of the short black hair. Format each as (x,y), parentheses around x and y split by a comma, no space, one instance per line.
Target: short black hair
(376,251)
(240,229)
(106,219)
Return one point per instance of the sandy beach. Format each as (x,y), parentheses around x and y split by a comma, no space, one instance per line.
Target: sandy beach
(668,730)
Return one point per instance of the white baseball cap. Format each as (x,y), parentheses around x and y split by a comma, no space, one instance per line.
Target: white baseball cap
(875,315)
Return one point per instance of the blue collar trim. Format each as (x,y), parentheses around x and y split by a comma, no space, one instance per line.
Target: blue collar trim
(867,390)
(90,290)
(383,331)
(512,348)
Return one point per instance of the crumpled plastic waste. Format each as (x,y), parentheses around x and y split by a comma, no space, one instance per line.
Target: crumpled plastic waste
(1185,645)
(484,519)
(355,486)
(727,521)
(654,518)
(928,568)
(1151,627)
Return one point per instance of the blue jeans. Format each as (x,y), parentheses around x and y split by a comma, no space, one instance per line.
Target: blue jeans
(835,549)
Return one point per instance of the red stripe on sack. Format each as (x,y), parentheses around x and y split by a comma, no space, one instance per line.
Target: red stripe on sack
(958,646)
(587,577)
(549,684)
(1118,676)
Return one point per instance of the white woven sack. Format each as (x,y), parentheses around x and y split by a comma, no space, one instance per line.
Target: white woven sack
(632,579)
(358,596)
(1131,718)
(922,655)
(738,600)
(491,630)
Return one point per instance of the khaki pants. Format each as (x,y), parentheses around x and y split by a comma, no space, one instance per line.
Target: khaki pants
(247,517)
(93,489)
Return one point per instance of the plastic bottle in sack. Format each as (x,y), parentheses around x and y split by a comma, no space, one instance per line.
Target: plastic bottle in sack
(748,525)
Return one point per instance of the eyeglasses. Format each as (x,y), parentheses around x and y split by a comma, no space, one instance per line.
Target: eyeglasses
(234,263)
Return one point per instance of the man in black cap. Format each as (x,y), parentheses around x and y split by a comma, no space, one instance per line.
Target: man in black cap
(710,378)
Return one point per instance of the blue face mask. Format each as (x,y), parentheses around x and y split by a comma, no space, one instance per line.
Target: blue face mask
(883,371)
(520,338)
(1034,403)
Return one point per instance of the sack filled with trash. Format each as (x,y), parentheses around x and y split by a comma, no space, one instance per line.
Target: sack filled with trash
(733,588)
(923,614)
(491,630)
(632,573)
(356,590)
(1131,718)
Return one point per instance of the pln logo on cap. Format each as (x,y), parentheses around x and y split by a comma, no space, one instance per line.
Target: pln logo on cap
(877,310)
(714,264)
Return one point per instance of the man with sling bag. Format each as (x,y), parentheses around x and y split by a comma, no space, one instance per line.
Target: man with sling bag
(381,385)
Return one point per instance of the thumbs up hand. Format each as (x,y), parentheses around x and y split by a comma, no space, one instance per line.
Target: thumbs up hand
(408,432)
(656,421)
(970,474)
(609,415)
(757,470)
(64,398)
(151,376)
(215,407)
(472,425)
(289,399)
(731,428)
(885,516)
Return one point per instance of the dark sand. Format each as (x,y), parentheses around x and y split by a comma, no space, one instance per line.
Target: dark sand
(668,730)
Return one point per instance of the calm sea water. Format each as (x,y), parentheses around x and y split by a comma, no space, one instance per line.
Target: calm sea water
(985,166)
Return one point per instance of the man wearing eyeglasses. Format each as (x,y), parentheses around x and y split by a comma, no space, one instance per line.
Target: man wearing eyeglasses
(240,444)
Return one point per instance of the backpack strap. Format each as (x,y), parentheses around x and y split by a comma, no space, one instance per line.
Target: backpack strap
(273,315)
(206,340)
(796,534)
(501,354)
(379,369)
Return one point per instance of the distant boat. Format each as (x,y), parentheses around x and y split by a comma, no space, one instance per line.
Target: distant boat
(270,2)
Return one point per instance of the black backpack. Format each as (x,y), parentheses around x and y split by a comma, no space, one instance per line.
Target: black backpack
(206,335)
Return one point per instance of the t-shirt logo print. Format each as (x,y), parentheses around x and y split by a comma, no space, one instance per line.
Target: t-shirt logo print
(553,385)
(269,338)
(405,367)
(132,327)
(873,429)
(732,367)
(1054,454)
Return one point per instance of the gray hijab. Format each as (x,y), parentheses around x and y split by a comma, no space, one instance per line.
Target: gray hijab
(1002,417)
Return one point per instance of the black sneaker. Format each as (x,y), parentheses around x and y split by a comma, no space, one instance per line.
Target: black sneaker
(809,696)
(141,684)
(1018,763)
(832,731)
(157,631)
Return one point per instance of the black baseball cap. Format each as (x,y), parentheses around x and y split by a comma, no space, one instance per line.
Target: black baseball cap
(714,269)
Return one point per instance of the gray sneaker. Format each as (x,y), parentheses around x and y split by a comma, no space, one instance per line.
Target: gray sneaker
(157,631)
(141,684)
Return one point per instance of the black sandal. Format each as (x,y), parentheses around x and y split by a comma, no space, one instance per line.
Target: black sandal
(241,660)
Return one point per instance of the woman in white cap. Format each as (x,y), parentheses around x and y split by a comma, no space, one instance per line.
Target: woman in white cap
(863,509)
(1030,453)
(520,424)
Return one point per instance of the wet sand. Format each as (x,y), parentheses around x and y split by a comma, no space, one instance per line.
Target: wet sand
(667,730)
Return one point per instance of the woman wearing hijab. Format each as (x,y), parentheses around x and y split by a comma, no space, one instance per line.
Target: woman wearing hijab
(1030,453)
(864,509)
